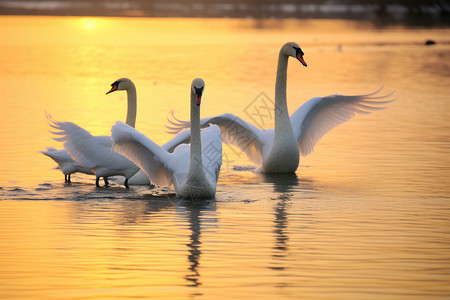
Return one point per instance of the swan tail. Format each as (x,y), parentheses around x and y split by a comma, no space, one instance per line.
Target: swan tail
(49,149)
(59,156)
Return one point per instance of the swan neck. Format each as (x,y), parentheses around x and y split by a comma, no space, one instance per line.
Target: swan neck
(131,106)
(281,110)
(196,144)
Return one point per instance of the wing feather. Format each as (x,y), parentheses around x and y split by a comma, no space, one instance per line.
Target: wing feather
(212,152)
(147,155)
(319,115)
(65,162)
(91,151)
(235,131)
(183,137)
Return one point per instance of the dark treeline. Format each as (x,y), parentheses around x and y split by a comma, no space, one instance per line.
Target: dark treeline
(438,10)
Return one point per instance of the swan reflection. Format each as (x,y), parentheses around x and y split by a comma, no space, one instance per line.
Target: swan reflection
(194,212)
(282,183)
(283,186)
(194,245)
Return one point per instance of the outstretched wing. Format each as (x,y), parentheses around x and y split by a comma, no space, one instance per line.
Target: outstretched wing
(90,151)
(183,137)
(235,131)
(211,142)
(212,152)
(319,115)
(147,155)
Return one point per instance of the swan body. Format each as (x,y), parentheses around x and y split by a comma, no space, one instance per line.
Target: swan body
(66,164)
(94,152)
(193,170)
(278,150)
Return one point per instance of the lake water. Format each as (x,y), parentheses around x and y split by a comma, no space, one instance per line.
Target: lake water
(366,216)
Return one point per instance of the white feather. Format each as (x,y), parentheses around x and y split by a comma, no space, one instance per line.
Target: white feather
(67,165)
(276,151)
(95,152)
(180,168)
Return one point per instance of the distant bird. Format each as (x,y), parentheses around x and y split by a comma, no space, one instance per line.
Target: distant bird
(95,152)
(193,170)
(278,150)
(67,165)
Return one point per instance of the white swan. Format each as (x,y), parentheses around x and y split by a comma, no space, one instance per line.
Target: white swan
(65,163)
(95,152)
(193,170)
(277,150)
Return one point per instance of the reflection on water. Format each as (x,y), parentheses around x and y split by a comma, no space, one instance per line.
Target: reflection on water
(194,248)
(194,213)
(365,216)
(283,185)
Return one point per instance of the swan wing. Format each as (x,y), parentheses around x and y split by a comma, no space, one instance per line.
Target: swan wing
(147,155)
(319,115)
(179,162)
(235,131)
(93,152)
(212,152)
(182,137)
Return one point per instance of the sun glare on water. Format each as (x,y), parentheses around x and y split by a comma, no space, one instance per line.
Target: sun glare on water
(89,23)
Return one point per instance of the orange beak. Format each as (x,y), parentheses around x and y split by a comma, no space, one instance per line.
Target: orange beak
(300,59)
(198,99)
(113,88)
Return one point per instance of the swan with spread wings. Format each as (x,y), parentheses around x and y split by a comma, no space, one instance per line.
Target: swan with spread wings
(94,152)
(192,169)
(278,150)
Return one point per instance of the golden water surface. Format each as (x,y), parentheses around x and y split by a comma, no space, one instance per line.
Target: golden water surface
(365,217)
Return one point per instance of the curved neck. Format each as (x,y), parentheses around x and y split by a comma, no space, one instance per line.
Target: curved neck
(281,110)
(196,164)
(131,106)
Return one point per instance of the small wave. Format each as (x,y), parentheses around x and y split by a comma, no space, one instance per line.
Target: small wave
(244,168)
(160,193)
(17,189)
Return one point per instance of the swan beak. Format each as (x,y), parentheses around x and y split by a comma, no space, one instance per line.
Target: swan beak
(113,88)
(300,59)
(198,98)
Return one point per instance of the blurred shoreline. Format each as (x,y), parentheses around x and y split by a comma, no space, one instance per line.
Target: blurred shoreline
(414,12)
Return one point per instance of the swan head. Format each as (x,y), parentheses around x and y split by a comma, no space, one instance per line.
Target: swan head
(294,50)
(120,84)
(197,87)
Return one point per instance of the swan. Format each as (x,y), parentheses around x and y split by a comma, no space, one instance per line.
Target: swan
(67,165)
(278,150)
(193,170)
(94,152)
